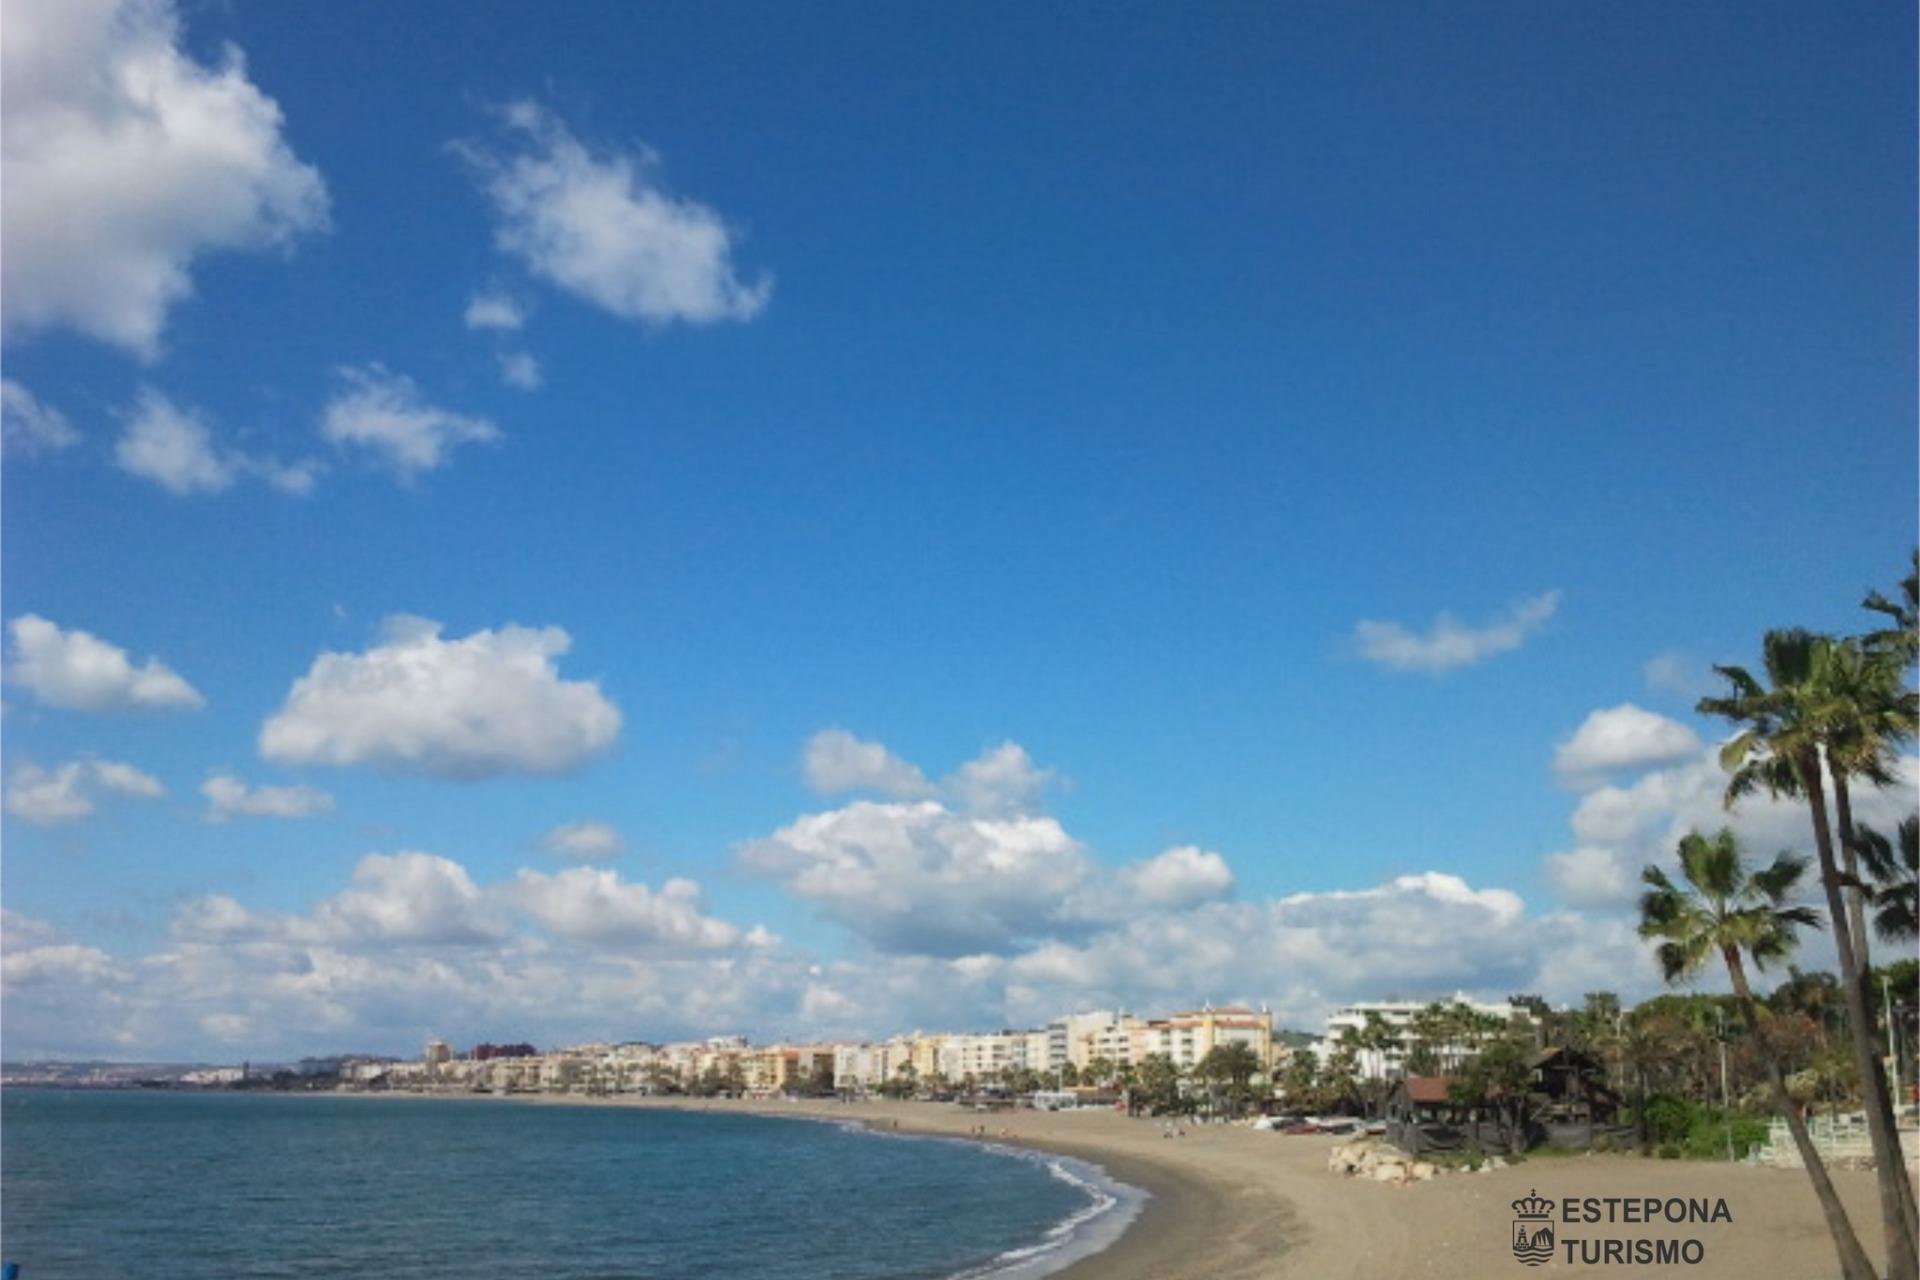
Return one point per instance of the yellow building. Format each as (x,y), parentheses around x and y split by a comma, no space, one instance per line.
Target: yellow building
(1189,1036)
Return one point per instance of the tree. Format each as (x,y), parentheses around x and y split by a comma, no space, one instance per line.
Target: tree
(1300,1079)
(1160,1082)
(1831,702)
(1232,1065)
(1723,908)
(1901,640)
(1646,1047)
(1496,1077)
(1895,868)
(1370,1043)
(1099,1071)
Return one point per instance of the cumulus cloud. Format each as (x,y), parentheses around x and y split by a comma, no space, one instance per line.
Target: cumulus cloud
(174,448)
(602,227)
(229,797)
(126,159)
(78,671)
(1449,644)
(835,761)
(29,428)
(1618,828)
(410,897)
(1002,781)
(918,877)
(385,414)
(586,841)
(1620,739)
(413,946)
(485,704)
(495,312)
(1180,877)
(591,904)
(71,791)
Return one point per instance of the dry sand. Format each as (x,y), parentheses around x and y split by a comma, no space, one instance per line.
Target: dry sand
(1232,1204)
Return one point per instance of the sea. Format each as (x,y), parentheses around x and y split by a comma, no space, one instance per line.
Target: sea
(102,1184)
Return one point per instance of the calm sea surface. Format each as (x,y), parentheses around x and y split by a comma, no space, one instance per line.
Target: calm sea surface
(95,1186)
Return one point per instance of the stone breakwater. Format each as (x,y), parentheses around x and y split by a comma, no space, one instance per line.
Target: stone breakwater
(1375,1161)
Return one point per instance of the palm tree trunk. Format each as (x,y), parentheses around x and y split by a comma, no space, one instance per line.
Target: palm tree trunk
(1850,859)
(1853,1259)
(1898,1215)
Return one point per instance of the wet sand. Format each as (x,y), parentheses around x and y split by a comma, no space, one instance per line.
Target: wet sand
(1232,1204)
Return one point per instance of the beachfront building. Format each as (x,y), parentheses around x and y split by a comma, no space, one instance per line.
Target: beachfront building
(1189,1036)
(1405,1021)
(990,1056)
(789,1068)
(1079,1038)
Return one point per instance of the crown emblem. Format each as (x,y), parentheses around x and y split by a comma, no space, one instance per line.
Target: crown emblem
(1533,1205)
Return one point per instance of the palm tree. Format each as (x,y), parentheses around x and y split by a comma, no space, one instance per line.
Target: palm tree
(1825,703)
(1726,909)
(1895,868)
(1902,639)
(1234,1065)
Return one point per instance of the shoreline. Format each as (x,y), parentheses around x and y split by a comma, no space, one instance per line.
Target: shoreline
(1229,1203)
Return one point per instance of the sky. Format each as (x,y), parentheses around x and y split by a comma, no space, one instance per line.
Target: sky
(647,521)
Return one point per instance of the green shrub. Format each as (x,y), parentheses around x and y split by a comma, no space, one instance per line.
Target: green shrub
(1668,1151)
(1670,1119)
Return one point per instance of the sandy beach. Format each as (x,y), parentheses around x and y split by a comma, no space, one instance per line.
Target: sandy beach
(1229,1203)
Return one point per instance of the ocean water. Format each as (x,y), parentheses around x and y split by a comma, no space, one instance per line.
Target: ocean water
(102,1185)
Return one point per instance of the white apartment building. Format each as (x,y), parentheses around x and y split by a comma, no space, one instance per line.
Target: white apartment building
(1399,1014)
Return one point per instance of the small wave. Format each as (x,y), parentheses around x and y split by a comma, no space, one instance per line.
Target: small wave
(1111,1206)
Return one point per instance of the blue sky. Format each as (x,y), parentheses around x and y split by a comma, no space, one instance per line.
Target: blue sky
(1080,378)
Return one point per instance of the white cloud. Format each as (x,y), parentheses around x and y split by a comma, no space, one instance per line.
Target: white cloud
(917,877)
(602,227)
(70,792)
(125,161)
(410,897)
(414,947)
(1180,877)
(495,312)
(33,954)
(592,904)
(835,761)
(1001,781)
(1619,828)
(520,370)
(489,703)
(587,841)
(1449,643)
(77,671)
(173,448)
(229,797)
(30,428)
(385,414)
(1622,738)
